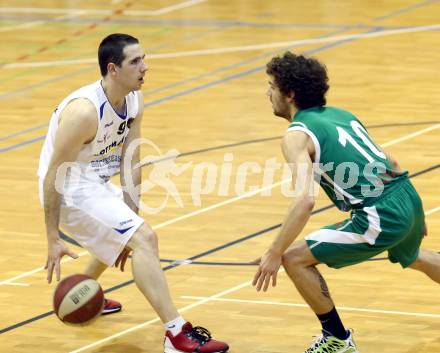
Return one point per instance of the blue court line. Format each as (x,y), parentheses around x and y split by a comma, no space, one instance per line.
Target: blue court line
(75,73)
(208,252)
(234,66)
(94,67)
(40,84)
(405,10)
(246,72)
(343,27)
(23,132)
(154,91)
(21,144)
(160,89)
(204,86)
(200,76)
(217,82)
(374,29)
(214,83)
(176,84)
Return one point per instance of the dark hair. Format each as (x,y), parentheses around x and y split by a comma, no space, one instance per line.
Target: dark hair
(305,77)
(111,50)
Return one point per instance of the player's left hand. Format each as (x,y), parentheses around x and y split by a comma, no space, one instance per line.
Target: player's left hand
(122,259)
(268,269)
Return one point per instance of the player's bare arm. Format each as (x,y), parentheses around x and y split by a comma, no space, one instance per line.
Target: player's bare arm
(132,198)
(77,126)
(297,149)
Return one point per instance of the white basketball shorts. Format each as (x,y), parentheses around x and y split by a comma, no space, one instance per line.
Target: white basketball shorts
(96,216)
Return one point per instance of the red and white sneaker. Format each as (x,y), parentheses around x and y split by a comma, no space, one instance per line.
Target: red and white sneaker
(111,306)
(193,340)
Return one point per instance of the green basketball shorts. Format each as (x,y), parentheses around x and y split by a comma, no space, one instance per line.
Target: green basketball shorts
(394,222)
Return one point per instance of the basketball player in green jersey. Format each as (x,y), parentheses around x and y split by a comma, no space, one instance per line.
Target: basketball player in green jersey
(332,146)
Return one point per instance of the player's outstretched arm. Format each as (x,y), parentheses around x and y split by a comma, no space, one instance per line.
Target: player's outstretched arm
(297,150)
(77,125)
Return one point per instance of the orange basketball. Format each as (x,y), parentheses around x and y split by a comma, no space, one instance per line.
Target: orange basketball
(78,299)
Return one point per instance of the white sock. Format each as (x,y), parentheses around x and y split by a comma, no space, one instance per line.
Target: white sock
(175,326)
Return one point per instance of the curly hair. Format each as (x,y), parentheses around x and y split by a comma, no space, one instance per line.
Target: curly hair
(305,77)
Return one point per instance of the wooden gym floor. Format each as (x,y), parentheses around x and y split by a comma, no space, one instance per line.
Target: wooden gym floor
(205,96)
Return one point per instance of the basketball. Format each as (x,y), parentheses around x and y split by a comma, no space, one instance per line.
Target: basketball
(78,299)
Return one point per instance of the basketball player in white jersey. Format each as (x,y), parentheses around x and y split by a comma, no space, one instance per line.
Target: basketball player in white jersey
(88,137)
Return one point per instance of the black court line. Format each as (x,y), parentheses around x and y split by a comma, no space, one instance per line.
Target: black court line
(209,263)
(208,252)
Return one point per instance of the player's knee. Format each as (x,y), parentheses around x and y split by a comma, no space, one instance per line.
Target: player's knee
(290,262)
(144,238)
(298,256)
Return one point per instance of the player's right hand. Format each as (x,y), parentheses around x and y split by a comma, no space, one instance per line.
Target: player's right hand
(56,250)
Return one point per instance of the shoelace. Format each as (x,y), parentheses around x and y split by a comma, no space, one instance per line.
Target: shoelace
(200,334)
(316,343)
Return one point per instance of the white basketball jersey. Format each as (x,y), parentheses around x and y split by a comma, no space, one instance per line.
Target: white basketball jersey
(102,156)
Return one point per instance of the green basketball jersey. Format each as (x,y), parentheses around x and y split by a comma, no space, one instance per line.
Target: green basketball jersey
(349,166)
